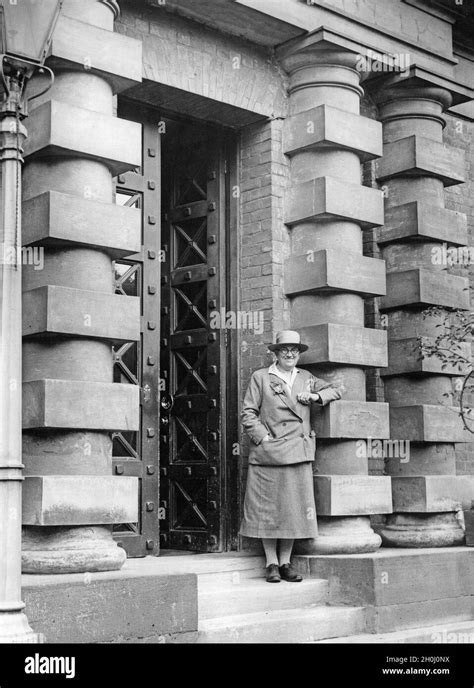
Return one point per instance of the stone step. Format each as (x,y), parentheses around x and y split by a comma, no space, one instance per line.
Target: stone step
(300,625)
(453,633)
(252,595)
(232,572)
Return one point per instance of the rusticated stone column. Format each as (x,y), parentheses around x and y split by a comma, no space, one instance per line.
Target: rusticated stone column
(415,168)
(71,316)
(327,278)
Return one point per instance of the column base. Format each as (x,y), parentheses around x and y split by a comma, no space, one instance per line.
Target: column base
(14,628)
(341,535)
(422,530)
(78,549)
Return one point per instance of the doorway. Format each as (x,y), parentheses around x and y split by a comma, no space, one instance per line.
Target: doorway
(186,365)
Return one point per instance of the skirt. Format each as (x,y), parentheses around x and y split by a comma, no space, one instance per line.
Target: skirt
(279,502)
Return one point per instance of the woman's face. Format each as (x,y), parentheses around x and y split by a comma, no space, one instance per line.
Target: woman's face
(287,357)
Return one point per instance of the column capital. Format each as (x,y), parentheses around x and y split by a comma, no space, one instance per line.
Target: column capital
(394,86)
(318,54)
(321,64)
(399,98)
(409,90)
(113,5)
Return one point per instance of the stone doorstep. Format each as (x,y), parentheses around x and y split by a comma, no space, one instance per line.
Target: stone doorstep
(151,599)
(247,596)
(155,599)
(297,625)
(384,574)
(453,633)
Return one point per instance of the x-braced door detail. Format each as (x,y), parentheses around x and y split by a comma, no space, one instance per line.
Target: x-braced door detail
(192,352)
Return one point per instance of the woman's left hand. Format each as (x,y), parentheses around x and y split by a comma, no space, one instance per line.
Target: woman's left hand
(306,397)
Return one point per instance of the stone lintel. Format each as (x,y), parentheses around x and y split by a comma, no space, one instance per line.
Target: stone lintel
(418,221)
(352,420)
(327,126)
(352,495)
(59,129)
(327,198)
(346,344)
(428,423)
(421,287)
(404,357)
(74,500)
(331,270)
(115,57)
(432,493)
(420,156)
(65,311)
(57,219)
(72,404)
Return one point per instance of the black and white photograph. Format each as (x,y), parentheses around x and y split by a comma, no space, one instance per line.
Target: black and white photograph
(236,383)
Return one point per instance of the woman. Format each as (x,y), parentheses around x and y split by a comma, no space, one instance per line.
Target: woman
(279,498)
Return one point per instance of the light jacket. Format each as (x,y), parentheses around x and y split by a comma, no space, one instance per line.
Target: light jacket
(269,409)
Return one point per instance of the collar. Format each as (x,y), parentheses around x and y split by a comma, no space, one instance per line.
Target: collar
(274,370)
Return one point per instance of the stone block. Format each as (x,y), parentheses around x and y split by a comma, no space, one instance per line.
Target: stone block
(113,56)
(404,357)
(65,311)
(72,404)
(74,500)
(352,495)
(330,270)
(421,287)
(327,126)
(352,420)
(332,343)
(57,128)
(432,493)
(395,617)
(327,198)
(421,221)
(420,156)
(119,606)
(393,576)
(428,423)
(57,219)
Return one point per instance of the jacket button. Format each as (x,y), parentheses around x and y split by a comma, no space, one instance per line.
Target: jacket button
(301,420)
(283,423)
(302,435)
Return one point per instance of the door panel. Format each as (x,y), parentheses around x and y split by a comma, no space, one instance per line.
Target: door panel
(137,453)
(193,233)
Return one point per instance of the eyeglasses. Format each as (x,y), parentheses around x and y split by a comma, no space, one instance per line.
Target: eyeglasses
(285,351)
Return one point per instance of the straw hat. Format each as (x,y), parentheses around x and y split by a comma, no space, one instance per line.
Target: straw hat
(287,338)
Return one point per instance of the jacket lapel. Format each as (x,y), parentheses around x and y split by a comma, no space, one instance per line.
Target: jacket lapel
(299,386)
(289,401)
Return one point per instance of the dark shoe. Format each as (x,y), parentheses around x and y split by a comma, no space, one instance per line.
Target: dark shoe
(288,573)
(273,575)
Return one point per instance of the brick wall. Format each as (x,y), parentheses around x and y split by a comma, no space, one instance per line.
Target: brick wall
(264,245)
(264,238)
(374,382)
(459,132)
(187,55)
